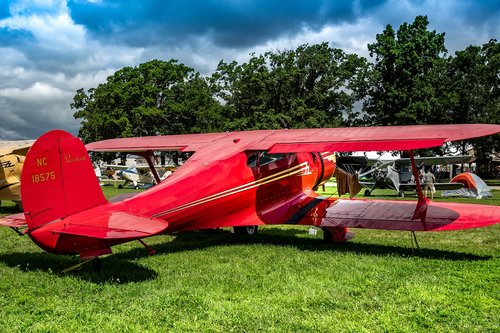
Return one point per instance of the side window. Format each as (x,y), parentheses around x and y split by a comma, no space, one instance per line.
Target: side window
(266,158)
(252,160)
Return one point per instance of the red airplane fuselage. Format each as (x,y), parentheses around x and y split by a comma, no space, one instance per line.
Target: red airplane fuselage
(244,189)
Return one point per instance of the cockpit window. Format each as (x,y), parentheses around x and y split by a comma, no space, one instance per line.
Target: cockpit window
(266,158)
(252,160)
(263,158)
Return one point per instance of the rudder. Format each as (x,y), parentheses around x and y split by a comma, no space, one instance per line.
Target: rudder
(58,179)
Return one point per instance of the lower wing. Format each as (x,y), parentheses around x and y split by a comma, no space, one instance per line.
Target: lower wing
(406,215)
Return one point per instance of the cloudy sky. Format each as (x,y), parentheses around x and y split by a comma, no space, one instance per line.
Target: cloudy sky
(51,48)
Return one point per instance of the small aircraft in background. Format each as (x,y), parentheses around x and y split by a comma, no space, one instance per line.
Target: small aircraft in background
(241,180)
(12,155)
(139,176)
(396,174)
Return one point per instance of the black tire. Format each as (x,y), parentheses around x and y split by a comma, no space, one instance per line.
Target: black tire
(248,230)
(120,186)
(401,193)
(368,193)
(335,235)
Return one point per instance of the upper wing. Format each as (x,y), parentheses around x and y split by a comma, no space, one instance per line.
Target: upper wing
(371,138)
(15,147)
(187,142)
(307,140)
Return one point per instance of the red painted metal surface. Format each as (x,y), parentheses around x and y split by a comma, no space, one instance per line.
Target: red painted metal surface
(229,181)
(399,215)
(308,140)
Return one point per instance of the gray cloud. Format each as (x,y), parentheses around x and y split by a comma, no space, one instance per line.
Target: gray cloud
(49,49)
(235,24)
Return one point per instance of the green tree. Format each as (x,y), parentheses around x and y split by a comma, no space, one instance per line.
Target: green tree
(306,87)
(156,97)
(408,77)
(475,87)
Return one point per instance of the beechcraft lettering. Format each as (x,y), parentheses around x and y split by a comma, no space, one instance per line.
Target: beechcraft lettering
(73,159)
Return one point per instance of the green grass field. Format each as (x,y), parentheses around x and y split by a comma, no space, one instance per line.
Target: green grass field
(281,280)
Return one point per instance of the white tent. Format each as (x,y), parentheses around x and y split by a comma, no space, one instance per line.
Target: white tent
(474,187)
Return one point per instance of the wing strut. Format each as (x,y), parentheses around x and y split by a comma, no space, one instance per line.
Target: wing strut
(421,198)
(421,208)
(148,155)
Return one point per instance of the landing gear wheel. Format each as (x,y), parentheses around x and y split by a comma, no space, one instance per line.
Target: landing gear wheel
(248,230)
(336,235)
(136,187)
(368,193)
(120,186)
(401,193)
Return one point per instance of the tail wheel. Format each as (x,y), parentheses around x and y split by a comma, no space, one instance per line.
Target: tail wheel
(248,230)
(336,235)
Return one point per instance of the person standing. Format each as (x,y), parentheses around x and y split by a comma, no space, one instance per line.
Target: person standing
(429,180)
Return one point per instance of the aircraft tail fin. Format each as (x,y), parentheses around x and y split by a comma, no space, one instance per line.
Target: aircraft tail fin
(58,179)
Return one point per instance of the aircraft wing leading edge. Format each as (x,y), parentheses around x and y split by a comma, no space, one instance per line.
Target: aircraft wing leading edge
(311,140)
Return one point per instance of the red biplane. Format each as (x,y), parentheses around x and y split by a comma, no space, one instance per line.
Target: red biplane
(240,180)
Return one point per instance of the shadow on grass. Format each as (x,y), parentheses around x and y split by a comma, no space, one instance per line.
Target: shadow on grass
(282,237)
(114,270)
(9,210)
(119,268)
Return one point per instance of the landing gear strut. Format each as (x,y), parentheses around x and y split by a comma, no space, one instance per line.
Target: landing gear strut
(95,262)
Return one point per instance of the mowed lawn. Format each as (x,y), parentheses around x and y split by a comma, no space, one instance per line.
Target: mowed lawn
(281,280)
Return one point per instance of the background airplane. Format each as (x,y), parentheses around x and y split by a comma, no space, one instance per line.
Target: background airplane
(12,155)
(397,174)
(138,175)
(240,180)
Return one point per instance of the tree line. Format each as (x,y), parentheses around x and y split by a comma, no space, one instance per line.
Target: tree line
(408,80)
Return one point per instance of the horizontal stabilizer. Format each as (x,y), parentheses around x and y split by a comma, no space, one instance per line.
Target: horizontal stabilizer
(112,226)
(401,215)
(14,221)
